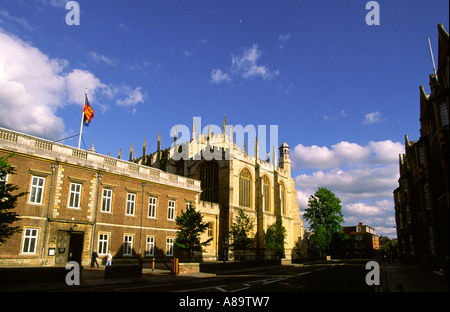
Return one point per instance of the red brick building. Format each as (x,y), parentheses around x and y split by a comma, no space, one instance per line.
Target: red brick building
(422,198)
(363,241)
(79,201)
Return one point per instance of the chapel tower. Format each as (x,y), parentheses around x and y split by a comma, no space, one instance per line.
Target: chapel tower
(285,161)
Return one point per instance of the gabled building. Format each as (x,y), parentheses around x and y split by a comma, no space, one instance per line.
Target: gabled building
(422,198)
(363,240)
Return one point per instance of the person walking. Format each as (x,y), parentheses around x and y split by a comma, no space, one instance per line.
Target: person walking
(108,258)
(94,258)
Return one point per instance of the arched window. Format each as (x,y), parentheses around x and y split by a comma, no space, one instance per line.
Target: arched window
(209,177)
(245,188)
(282,198)
(266,193)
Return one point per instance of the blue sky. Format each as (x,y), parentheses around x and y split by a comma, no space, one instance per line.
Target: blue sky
(342,93)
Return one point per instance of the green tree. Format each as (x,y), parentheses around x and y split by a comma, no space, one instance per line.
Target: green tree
(191,226)
(8,201)
(275,236)
(324,214)
(242,232)
(319,238)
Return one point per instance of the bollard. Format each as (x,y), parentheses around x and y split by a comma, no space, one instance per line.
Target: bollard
(153,264)
(175,266)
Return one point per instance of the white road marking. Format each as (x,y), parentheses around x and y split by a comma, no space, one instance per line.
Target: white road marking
(303,273)
(209,287)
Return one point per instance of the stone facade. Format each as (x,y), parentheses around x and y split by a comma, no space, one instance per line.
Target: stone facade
(79,201)
(231,180)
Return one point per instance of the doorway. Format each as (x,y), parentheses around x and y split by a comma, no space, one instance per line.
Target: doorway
(76,246)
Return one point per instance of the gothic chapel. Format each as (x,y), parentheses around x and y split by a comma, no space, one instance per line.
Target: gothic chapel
(236,181)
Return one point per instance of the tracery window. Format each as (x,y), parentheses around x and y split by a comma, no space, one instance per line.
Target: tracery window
(209,177)
(283,198)
(245,188)
(266,193)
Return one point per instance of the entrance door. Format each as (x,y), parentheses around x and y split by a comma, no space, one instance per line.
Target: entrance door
(76,246)
(62,249)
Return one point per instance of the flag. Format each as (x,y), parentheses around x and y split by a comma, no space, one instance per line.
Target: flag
(88,112)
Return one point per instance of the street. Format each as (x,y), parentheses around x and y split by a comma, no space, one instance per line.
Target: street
(325,277)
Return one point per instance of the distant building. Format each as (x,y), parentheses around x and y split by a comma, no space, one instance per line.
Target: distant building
(363,240)
(422,198)
(78,201)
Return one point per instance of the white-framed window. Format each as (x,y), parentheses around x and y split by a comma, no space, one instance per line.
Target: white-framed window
(103,240)
(188,205)
(171,210)
(30,239)
(128,245)
(74,195)
(37,190)
(169,246)
(152,201)
(106,200)
(131,204)
(150,246)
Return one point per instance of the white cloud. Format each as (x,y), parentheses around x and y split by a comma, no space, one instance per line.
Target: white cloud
(33,87)
(372,118)
(342,114)
(245,65)
(344,153)
(100,58)
(54,3)
(362,177)
(386,151)
(378,214)
(313,156)
(19,20)
(217,76)
(364,210)
(363,183)
(283,39)
(133,97)
(187,54)
(76,82)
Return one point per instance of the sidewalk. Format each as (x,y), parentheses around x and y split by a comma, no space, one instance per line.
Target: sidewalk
(403,277)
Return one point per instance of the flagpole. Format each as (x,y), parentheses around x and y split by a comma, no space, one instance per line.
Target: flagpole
(82,118)
(432,57)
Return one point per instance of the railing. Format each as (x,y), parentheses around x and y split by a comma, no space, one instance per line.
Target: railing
(8,136)
(175,264)
(24,142)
